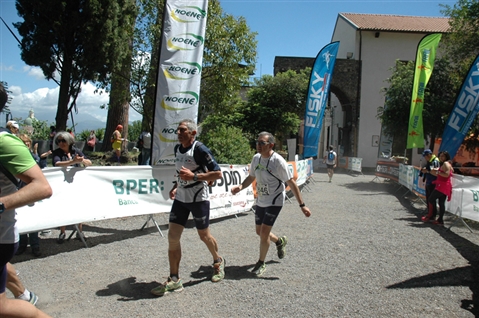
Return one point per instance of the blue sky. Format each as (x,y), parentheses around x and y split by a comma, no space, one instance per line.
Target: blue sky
(285,28)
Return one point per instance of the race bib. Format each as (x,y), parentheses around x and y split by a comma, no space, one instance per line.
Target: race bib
(262,189)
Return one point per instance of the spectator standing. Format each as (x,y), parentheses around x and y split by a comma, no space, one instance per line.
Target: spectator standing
(68,155)
(53,131)
(195,167)
(432,162)
(443,187)
(32,238)
(91,141)
(13,127)
(145,138)
(117,141)
(271,172)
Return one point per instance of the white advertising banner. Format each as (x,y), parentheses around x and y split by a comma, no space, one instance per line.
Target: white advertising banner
(179,73)
(97,193)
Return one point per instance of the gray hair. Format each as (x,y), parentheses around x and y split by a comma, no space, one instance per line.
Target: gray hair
(190,124)
(268,135)
(65,135)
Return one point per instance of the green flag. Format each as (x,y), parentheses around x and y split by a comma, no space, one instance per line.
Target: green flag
(426,54)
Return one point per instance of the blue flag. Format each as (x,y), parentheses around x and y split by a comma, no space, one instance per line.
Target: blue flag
(464,112)
(318,92)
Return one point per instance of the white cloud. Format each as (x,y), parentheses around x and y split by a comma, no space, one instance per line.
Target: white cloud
(34,72)
(45,101)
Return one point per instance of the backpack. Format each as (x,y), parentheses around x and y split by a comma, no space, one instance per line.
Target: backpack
(331,156)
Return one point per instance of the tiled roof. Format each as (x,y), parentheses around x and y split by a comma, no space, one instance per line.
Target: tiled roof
(397,23)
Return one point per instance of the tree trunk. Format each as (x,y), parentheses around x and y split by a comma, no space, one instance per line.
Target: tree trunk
(64,95)
(149,106)
(119,106)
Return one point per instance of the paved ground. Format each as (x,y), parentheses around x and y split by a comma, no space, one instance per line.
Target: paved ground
(363,253)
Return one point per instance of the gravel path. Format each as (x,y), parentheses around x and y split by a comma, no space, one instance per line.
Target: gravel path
(363,253)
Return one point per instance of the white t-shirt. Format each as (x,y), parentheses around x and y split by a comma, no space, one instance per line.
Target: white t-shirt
(270,174)
(146,137)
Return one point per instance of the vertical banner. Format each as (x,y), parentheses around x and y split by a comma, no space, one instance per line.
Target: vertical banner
(464,112)
(425,56)
(179,73)
(318,92)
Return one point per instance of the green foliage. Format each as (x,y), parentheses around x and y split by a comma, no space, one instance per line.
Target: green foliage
(99,133)
(41,130)
(228,145)
(134,130)
(276,104)
(438,100)
(229,59)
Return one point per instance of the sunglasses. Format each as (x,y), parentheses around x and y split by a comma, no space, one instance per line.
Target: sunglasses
(262,143)
(60,140)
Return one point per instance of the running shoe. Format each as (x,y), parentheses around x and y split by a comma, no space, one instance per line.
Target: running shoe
(61,238)
(218,271)
(259,268)
(33,298)
(168,287)
(282,246)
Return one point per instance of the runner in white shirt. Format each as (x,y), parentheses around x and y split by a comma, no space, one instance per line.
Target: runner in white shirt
(271,173)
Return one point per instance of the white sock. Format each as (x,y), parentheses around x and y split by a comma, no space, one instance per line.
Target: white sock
(25,295)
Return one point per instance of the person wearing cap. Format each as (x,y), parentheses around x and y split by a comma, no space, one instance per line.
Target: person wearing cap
(116,141)
(13,127)
(432,162)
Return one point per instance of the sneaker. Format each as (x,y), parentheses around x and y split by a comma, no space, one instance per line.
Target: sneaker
(168,287)
(33,298)
(36,251)
(218,271)
(61,238)
(259,268)
(79,235)
(282,246)
(46,232)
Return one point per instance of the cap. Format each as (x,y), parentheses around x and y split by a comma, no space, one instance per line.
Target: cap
(426,152)
(13,124)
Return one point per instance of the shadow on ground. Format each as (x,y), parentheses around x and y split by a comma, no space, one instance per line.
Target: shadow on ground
(462,276)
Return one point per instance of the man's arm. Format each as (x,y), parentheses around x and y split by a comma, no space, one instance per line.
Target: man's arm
(36,188)
(249,180)
(297,193)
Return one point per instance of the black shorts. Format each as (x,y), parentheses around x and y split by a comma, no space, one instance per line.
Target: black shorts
(180,212)
(6,254)
(267,216)
(330,166)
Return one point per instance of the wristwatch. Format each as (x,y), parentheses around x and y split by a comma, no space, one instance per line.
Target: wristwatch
(302,205)
(195,177)
(2,207)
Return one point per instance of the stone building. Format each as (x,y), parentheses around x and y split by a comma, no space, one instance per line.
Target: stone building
(369,46)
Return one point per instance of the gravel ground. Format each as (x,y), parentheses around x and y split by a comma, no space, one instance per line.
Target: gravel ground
(363,253)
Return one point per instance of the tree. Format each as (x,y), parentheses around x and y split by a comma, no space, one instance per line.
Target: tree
(462,47)
(438,100)
(78,39)
(276,104)
(228,145)
(462,42)
(228,60)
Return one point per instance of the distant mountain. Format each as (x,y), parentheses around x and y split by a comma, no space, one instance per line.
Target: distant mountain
(82,121)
